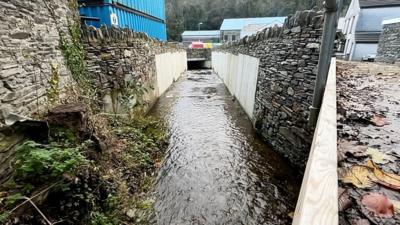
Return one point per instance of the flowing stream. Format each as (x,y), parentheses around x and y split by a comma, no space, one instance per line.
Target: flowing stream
(217,170)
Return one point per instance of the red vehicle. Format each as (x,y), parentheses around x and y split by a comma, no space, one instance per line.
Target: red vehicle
(197,45)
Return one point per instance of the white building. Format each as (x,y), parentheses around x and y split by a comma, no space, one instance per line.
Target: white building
(205,36)
(251,29)
(363,25)
(231,29)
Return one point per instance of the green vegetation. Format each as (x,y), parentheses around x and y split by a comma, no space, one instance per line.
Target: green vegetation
(73,50)
(53,91)
(186,14)
(39,163)
(141,144)
(97,170)
(113,188)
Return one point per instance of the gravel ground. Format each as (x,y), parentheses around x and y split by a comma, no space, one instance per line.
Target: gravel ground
(369,143)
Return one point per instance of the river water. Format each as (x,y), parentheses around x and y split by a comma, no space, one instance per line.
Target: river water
(217,171)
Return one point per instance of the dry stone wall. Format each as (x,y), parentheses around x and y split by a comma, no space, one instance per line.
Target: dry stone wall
(29,48)
(389,43)
(202,53)
(286,78)
(119,57)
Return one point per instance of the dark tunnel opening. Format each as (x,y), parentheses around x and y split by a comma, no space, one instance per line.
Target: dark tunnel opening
(197,65)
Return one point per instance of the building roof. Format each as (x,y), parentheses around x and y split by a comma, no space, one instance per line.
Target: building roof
(371,20)
(367,37)
(251,29)
(378,3)
(201,33)
(391,21)
(238,24)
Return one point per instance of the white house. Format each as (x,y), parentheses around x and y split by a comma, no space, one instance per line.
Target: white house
(363,25)
(231,29)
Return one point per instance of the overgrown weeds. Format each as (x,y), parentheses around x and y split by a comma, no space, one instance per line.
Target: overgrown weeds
(60,181)
(114,189)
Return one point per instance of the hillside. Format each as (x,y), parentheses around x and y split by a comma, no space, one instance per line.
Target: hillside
(186,14)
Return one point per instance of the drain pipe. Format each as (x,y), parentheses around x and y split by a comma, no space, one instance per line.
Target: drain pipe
(325,55)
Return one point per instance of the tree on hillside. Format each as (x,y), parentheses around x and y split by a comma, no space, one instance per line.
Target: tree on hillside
(186,14)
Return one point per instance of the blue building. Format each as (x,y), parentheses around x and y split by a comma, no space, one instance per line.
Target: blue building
(138,15)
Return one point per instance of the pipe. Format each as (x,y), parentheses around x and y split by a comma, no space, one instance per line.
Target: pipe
(325,54)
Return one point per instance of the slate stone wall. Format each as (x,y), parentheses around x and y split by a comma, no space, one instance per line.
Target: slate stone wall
(286,79)
(116,57)
(29,46)
(30,50)
(389,44)
(199,53)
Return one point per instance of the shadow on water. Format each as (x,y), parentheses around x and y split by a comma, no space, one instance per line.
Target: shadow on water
(217,170)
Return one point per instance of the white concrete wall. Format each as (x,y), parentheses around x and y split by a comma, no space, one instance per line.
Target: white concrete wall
(169,67)
(239,73)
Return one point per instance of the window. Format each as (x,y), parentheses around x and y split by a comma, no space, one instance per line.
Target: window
(233,38)
(226,37)
(352,23)
(346,26)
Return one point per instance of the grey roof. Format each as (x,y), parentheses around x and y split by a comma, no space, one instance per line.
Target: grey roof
(367,37)
(378,3)
(371,19)
(201,33)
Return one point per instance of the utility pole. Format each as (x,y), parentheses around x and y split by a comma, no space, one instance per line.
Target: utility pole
(332,9)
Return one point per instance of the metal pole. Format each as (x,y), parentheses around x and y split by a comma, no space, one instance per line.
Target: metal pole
(327,44)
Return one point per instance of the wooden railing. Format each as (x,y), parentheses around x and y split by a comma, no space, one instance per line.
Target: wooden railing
(318,199)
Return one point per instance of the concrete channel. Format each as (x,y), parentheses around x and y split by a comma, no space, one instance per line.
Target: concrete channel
(217,170)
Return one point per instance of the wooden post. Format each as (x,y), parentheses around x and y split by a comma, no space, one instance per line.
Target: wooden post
(318,199)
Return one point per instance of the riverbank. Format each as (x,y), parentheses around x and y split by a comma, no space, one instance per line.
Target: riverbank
(93,170)
(368,145)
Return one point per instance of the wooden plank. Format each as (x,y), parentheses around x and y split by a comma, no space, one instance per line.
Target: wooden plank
(318,199)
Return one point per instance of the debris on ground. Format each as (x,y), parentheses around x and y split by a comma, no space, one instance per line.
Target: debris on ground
(369,143)
(71,168)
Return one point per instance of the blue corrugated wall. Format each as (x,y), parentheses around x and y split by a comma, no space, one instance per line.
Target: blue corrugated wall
(154,27)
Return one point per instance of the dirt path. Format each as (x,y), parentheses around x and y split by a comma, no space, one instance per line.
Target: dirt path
(369,143)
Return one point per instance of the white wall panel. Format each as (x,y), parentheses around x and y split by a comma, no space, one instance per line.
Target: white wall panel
(239,73)
(169,67)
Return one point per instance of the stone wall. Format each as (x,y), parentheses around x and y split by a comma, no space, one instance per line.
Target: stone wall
(389,43)
(117,58)
(288,64)
(199,53)
(29,48)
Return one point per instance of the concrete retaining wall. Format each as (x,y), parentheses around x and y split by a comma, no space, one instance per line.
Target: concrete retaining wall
(169,67)
(239,73)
